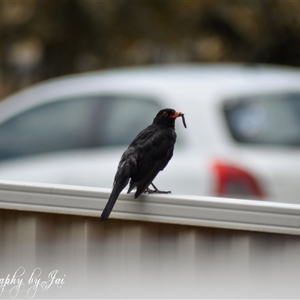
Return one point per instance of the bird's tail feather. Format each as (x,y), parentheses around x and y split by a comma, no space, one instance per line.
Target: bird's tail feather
(117,189)
(121,180)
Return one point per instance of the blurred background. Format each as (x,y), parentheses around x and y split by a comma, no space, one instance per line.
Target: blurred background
(45,39)
(40,40)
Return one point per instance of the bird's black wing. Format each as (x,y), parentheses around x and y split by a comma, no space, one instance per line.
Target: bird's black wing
(155,148)
(147,154)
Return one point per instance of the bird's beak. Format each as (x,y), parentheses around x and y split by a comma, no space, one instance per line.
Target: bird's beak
(179,114)
(176,115)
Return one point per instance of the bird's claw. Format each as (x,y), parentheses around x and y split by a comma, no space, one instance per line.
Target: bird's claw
(149,191)
(155,190)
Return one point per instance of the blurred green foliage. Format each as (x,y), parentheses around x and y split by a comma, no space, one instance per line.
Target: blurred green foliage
(44,39)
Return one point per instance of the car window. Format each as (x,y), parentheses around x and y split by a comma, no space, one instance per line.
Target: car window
(79,123)
(127,118)
(265,119)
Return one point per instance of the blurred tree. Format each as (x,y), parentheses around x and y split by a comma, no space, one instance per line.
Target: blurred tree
(44,39)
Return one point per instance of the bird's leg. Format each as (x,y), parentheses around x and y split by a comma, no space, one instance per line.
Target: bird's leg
(156,190)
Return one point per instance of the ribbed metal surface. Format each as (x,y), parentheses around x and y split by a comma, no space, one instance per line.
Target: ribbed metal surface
(131,259)
(139,259)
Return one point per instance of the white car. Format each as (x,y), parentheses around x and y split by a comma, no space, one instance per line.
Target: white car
(242,138)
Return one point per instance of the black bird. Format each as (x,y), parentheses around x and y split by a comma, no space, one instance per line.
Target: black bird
(146,156)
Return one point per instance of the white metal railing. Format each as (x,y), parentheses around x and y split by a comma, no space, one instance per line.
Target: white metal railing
(175,209)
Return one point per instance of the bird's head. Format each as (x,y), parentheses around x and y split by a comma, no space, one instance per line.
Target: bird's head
(167,117)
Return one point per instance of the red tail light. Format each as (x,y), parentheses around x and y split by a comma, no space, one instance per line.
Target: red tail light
(235,182)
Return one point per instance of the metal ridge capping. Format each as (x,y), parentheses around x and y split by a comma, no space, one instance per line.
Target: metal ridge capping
(213,212)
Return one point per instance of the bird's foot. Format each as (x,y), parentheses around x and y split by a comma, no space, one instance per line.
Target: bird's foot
(149,191)
(156,190)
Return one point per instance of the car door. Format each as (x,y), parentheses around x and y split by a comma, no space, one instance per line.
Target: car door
(77,140)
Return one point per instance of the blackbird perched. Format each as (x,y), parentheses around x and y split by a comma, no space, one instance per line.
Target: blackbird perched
(148,154)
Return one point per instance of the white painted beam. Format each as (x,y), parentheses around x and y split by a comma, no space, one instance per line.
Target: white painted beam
(175,209)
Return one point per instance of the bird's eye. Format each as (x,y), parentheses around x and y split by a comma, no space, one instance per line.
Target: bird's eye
(165,114)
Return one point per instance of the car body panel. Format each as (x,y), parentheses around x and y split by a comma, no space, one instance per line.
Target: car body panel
(199,91)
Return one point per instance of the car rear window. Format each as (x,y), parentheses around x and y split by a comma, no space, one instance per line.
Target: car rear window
(272,119)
